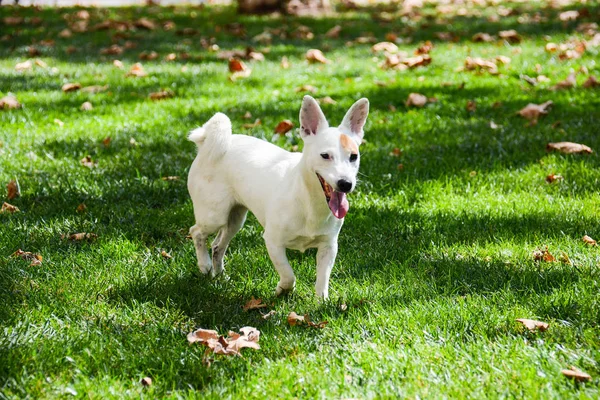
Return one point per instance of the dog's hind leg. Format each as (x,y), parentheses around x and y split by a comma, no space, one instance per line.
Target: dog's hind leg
(199,237)
(235,221)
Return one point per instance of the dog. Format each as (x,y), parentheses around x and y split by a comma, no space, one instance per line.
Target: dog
(298,198)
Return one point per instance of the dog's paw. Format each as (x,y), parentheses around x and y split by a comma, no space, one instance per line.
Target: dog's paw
(283,289)
(206,269)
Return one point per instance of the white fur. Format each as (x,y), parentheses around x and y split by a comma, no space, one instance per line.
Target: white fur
(235,173)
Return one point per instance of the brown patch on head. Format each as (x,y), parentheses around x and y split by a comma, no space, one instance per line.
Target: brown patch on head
(348,144)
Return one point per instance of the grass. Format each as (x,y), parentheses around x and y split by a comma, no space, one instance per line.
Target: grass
(435,260)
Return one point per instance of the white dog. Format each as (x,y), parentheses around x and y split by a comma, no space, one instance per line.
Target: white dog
(298,198)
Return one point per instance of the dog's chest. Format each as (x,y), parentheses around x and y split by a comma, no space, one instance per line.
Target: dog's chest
(310,235)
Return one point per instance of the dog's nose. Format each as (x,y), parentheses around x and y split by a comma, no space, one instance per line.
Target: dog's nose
(344,186)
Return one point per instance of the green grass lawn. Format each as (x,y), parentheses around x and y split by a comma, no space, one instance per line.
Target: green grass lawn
(435,260)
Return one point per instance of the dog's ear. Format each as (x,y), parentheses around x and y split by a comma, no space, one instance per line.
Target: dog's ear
(355,119)
(312,118)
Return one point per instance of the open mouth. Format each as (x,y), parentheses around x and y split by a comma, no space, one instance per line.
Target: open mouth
(337,201)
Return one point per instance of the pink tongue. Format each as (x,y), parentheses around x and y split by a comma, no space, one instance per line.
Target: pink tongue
(338,204)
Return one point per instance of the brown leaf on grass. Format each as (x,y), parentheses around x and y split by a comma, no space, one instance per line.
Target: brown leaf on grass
(551,47)
(13,21)
(533,111)
(553,177)
(269,314)
(9,102)
(503,60)
(78,237)
(65,34)
(8,209)
(35,259)
(71,87)
(396,152)
(236,65)
(81,208)
(13,190)
(568,83)
(145,23)
(326,100)
(528,79)
(510,36)
(306,88)
(256,123)
(148,56)
(483,37)
(418,61)
(384,46)
(137,70)
(471,106)
(88,162)
(425,48)
(576,374)
(284,126)
(106,141)
(166,255)
(589,240)
(171,57)
(24,66)
(479,64)
(590,82)
(118,64)
(569,148)
(316,56)
(113,50)
(254,304)
(41,63)
(318,325)
(295,319)
(334,32)
(94,89)
(543,255)
(202,335)
(161,95)
(533,325)
(416,99)
(570,15)
(285,64)
(87,106)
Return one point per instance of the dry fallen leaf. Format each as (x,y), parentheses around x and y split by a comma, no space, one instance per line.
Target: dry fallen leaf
(553,177)
(416,99)
(231,345)
(384,46)
(166,255)
(9,102)
(510,36)
(306,88)
(117,64)
(533,325)
(569,148)
(94,89)
(334,32)
(471,106)
(590,82)
(316,56)
(576,374)
(148,56)
(285,64)
(65,33)
(568,83)
(478,64)
(88,162)
(8,209)
(425,48)
(24,66)
(284,126)
(106,141)
(163,94)
(77,237)
(71,87)
(87,106)
(13,190)
(202,335)
(81,208)
(113,50)
(418,61)
(482,37)
(171,57)
(326,100)
(137,70)
(533,111)
(254,304)
(269,314)
(236,65)
(35,259)
(543,255)
(589,240)
(294,319)
(570,15)
(145,24)
(256,123)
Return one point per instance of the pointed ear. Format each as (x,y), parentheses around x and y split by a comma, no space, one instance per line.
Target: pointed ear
(312,119)
(355,119)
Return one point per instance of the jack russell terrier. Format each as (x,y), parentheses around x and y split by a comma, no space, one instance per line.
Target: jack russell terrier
(298,198)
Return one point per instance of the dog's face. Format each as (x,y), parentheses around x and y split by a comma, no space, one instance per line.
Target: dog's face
(333,152)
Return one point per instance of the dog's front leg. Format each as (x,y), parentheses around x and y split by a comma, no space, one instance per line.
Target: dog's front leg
(287,279)
(326,254)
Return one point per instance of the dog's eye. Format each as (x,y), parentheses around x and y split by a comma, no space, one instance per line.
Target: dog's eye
(325,156)
(353,157)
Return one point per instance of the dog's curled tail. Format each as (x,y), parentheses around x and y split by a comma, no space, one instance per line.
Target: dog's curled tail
(213,137)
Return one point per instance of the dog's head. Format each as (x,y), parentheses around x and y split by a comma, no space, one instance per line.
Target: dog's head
(333,152)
